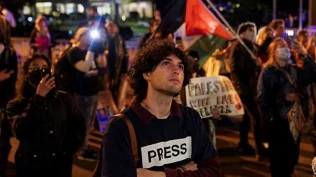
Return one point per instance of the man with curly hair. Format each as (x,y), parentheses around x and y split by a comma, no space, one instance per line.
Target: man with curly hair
(171,138)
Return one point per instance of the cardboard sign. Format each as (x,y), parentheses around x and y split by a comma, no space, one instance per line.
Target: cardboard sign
(206,93)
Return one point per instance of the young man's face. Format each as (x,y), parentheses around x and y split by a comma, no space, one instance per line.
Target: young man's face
(250,34)
(303,39)
(280,30)
(168,76)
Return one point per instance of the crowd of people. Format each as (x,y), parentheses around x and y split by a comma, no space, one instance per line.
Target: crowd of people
(52,113)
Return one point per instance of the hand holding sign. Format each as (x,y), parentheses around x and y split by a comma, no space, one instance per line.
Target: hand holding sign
(216,114)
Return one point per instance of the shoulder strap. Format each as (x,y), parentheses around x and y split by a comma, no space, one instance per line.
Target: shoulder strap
(132,135)
(97,170)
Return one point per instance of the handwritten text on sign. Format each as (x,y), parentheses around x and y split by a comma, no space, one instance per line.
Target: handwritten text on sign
(206,93)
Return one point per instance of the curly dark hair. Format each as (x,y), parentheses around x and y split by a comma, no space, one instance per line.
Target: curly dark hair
(147,59)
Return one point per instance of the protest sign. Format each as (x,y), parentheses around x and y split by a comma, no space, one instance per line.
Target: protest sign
(206,93)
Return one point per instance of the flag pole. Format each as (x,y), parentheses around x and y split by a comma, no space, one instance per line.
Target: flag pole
(231,29)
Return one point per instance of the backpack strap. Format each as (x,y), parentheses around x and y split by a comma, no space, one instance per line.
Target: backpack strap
(132,135)
(98,168)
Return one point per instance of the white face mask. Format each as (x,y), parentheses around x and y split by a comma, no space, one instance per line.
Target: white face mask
(282,56)
(250,35)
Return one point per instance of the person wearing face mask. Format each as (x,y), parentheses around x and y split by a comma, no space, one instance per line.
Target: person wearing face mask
(244,74)
(47,123)
(279,88)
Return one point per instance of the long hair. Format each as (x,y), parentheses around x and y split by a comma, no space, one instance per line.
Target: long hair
(263,34)
(38,20)
(147,59)
(272,50)
(311,46)
(23,90)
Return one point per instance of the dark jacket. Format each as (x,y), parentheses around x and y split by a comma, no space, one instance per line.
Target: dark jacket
(244,71)
(117,58)
(8,61)
(163,144)
(50,130)
(263,50)
(273,88)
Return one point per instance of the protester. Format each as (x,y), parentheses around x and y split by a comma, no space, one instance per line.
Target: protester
(311,50)
(93,16)
(47,123)
(171,138)
(311,47)
(278,96)
(218,62)
(89,65)
(302,37)
(278,27)
(7,14)
(8,77)
(153,26)
(41,39)
(116,83)
(263,40)
(244,75)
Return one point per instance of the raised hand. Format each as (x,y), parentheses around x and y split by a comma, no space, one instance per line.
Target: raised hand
(46,84)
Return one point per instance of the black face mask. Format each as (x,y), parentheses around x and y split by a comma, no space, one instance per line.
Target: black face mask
(36,76)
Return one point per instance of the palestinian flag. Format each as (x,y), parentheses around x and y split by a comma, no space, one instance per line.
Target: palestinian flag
(196,24)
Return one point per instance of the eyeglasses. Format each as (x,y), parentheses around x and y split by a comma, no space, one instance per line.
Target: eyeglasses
(36,68)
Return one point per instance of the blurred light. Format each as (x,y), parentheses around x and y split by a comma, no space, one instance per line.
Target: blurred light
(237,5)
(50,19)
(70,8)
(26,10)
(229,3)
(80,8)
(70,32)
(290,32)
(30,19)
(123,18)
(221,8)
(232,11)
(94,34)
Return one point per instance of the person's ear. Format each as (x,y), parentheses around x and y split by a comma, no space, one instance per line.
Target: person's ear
(146,76)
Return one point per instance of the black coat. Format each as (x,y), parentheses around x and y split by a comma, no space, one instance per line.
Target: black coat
(273,87)
(244,71)
(50,130)
(8,61)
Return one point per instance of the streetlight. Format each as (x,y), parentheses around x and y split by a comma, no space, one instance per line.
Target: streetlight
(274,8)
(300,16)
